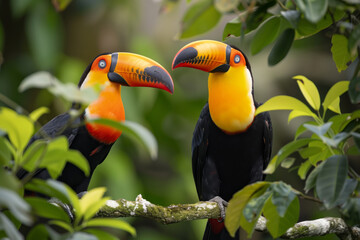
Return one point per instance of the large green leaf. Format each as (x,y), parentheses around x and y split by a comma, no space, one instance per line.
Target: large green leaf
(311,179)
(331,179)
(111,223)
(265,34)
(276,224)
(37,113)
(292,16)
(282,102)
(237,203)
(340,52)
(18,127)
(233,28)
(313,10)
(254,207)
(134,130)
(199,18)
(310,91)
(282,196)
(281,47)
(89,200)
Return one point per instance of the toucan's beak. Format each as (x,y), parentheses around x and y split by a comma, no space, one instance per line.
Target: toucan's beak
(205,55)
(134,70)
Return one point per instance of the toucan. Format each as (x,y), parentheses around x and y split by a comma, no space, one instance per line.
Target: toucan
(108,72)
(231,146)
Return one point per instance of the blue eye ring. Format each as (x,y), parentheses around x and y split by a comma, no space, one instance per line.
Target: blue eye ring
(237,58)
(102,64)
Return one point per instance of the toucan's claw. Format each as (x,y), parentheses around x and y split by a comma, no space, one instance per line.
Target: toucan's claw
(222,205)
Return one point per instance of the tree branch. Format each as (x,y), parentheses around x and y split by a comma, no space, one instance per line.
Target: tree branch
(204,210)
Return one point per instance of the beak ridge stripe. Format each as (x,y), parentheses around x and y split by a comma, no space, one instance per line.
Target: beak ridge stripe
(228,53)
(114,58)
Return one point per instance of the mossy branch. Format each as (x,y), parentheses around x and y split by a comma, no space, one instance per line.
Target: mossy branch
(204,210)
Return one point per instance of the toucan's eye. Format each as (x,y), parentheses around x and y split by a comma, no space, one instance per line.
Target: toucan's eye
(237,59)
(102,63)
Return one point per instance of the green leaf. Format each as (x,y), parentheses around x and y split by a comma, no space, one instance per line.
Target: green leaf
(309,90)
(68,91)
(90,198)
(356,137)
(340,52)
(331,179)
(38,232)
(134,130)
(301,129)
(313,10)
(319,130)
(34,155)
(309,151)
(232,28)
(37,113)
(278,225)
(17,206)
(265,34)
(311,179)
(5,151)
(351,210)
(354,39)
(340,122)
(292,16)
(282,102)
(18,127)
(354,90)
(285,151)
(237,204)
(306,28)
(303,169)
(42,208)
(282,196)
(9,228)
(348,188)
(254,207)
(281,47)
(64,225)
(199,18)
(112,223)
(288,162)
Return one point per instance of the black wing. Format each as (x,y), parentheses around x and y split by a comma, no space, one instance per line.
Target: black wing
(59,125)
(204,169)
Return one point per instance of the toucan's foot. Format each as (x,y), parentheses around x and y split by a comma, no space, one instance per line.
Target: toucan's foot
(67,208)
(222,205)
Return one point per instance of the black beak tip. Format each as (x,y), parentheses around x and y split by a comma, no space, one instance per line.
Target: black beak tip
(159,75)
(185,55)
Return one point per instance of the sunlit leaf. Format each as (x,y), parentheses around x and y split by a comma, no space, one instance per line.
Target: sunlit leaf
(237,204)
(339,122)
(18,127)
(287,162)
(313,10)
(309,151)
(112,223)
(135,130)
(278,225)
(303,169)
(331,179)
(265,34)
(340,52)
(199,18)
(282,102)
(281,47)
(90,198)
(294,114)
(309,90)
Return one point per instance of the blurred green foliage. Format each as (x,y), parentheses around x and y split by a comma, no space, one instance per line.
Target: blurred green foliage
(36,36)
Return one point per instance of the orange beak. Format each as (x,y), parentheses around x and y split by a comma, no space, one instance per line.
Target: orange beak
(134,70)
(205,55)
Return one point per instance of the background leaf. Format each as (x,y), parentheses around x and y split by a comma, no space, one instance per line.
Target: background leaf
(199,18)
(281,47)
(265,34)
(340,52)
(313,10)
(354,90)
